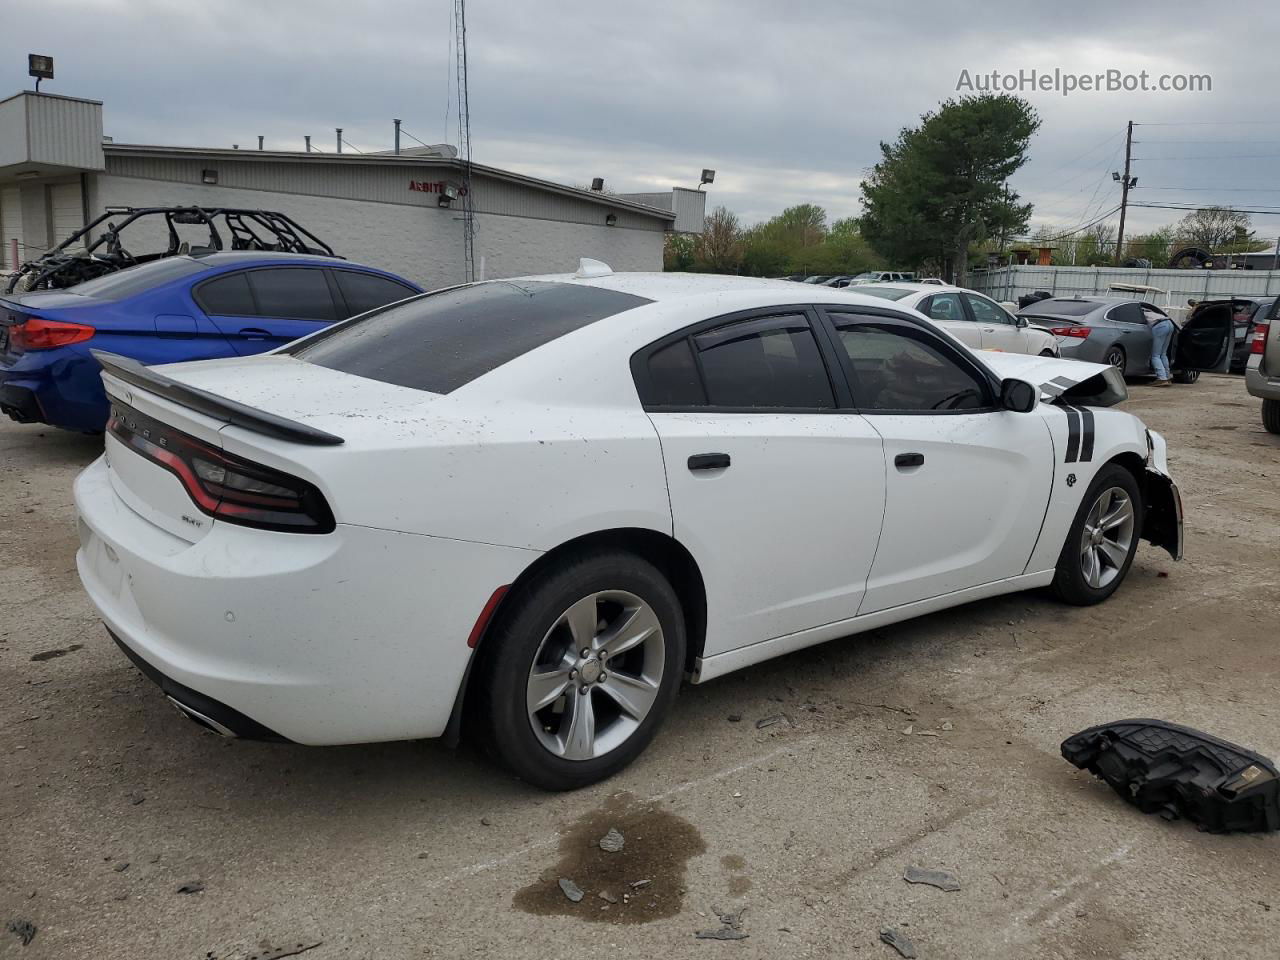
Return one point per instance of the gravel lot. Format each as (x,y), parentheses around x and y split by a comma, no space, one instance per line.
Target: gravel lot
(109,802)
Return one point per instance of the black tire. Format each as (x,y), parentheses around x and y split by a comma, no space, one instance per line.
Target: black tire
(1271,415)
(529,614)
(1047,353)
(1069,583)
(1186,376)
(1116,357)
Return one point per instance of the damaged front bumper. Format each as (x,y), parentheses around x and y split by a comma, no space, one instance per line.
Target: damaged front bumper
(1162,515)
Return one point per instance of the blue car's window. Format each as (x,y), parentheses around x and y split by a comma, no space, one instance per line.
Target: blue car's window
(226,296)
(298,293)
(366,291)
(125,283)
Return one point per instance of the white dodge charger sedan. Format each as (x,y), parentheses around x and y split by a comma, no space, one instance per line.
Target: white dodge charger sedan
(525,509)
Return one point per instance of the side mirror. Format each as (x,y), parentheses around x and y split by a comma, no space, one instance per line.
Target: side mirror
(1018,396)
(1020,321)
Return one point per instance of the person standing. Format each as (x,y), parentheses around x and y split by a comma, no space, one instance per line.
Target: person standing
(1161,333)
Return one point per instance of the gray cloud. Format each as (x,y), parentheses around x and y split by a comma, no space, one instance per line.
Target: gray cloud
(787,102)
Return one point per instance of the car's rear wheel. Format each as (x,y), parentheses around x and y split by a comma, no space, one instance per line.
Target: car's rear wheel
(580,670)
(1271,415)
(1116,357)
(1186,376)
(1102,540)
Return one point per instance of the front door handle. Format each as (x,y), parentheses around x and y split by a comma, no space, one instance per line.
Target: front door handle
(254,333)
(904,461)
(709,461)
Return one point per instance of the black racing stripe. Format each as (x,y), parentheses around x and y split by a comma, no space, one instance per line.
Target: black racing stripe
(1086,441)
(1051,389)
(1073,434)
(1064,381)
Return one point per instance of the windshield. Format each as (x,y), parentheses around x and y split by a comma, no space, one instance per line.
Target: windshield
(125,283)
(884,293)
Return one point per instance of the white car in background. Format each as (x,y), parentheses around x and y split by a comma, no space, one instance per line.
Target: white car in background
(975,320)
(525,509)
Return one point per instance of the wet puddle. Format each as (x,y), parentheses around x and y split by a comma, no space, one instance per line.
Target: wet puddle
(657,847)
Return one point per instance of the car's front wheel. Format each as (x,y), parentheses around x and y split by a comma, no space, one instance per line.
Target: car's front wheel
(581,668)
(1102,540)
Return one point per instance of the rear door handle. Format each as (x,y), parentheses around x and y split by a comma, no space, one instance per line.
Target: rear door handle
(709,461)
(904,460)
(254,333)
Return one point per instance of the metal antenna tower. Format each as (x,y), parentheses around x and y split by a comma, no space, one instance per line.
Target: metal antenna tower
(464,143)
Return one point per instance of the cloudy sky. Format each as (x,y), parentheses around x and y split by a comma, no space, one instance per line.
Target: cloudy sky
(787,101)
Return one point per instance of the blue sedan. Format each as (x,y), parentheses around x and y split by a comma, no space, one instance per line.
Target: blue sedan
(179,308)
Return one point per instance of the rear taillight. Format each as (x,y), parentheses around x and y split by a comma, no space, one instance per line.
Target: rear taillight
(1078,332)
(37,333)
(1258,339)
(221,484)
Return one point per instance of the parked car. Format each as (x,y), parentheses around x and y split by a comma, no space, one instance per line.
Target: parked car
(839,282)
(1248,311)
(525,509)
(972,318)
(176,308)
(817,279)
(1114,330)
(884,276)
(1262,376)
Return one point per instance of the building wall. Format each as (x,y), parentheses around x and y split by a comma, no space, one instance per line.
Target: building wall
(1009,283)
(421,243)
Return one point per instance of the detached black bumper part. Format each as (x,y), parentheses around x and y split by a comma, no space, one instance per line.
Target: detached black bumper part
(1176,771)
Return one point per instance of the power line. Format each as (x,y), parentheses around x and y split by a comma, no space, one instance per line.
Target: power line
(1211,123)
(1080,157)
(1221,189)
(1226,156)
(1193,207)
(1209,140)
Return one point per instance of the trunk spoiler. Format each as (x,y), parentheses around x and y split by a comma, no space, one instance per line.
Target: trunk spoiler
(210,404)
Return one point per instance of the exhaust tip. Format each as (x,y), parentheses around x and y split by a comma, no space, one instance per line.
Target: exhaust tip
(207,722)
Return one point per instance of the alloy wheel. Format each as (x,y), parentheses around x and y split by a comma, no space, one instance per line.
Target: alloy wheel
(1116,359)
(596,675)
(1107,537)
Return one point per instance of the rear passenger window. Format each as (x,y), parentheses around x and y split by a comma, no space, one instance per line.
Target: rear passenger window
(297,293)
(1127,313)
(673,377)
(368,291)
(226,296)
(766,362)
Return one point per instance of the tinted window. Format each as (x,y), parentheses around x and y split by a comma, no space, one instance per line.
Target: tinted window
(984,311)
(900,367)
(367,291)
(673,377)
(945,306)
(125,283)
(767,362)
(885,293)
(1063,308)
(298,293)
(227,296)
(442,341)
(1127,313)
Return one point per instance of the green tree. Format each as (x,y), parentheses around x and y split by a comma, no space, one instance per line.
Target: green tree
(1154,246)
(1218,230)
(678,252)
(719,248)
(941,187)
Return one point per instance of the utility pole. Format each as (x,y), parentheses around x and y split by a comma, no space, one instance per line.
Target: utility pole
(1125,184)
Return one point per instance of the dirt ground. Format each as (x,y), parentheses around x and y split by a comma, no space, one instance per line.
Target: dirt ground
(110,802)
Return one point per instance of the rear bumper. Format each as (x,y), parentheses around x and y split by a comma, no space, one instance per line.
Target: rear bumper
(62,388)
(1258,383)
(355,636)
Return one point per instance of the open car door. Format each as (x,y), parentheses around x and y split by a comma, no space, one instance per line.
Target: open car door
(1207,339)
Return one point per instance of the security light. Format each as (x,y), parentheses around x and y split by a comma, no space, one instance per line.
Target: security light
(208,176)
(597,184)
(40,67)
(611,219)
(448,194)
(708,176)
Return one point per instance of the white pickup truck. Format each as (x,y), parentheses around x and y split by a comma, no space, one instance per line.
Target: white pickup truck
(1262,377)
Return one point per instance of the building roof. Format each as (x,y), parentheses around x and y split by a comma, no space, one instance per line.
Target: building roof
(407,159)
